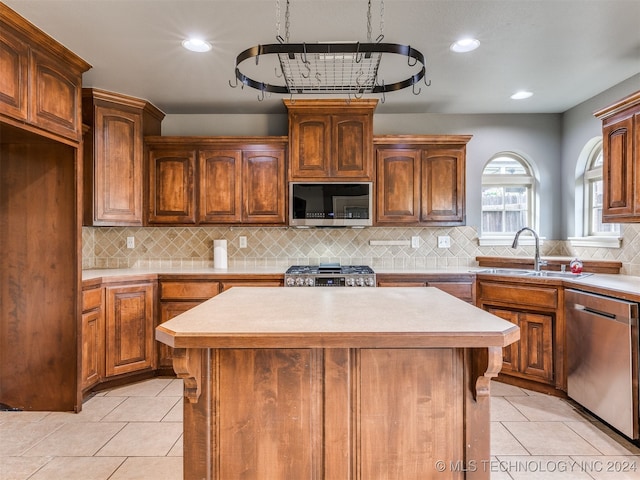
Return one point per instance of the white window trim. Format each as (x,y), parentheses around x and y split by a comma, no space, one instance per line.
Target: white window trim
(494,239)
(599,241)
(583,202)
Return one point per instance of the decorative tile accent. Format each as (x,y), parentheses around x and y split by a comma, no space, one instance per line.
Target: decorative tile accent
(192,247)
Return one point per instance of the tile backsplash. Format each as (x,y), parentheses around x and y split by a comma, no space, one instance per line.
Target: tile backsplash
(105,247)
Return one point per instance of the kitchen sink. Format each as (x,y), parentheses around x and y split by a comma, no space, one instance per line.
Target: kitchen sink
(545,273)
(532,273)
(505,271)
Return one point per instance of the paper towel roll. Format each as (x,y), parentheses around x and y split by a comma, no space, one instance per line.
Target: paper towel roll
(219,254)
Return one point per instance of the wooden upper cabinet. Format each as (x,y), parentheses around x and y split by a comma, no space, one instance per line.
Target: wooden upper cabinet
(220,186)
(114,156)
(217,180)
(40,85)
(331,139)
(263,186)
(621,152)
(443,186)
(310,145)
(171,186)
(398,185)
(420,180)
(14,64)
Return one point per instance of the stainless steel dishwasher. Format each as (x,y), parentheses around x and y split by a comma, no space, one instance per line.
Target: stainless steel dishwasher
(602,355)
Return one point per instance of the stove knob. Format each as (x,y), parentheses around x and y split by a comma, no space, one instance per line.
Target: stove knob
(291,282)
(309,282)
(359,282)
(370,283)
(350,282)
(299,282)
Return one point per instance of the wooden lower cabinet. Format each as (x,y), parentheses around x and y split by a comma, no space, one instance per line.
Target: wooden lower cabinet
(459,285)
(168,310)
(535,309)
(533,355)
(92,333)
(129,326)
(176,297)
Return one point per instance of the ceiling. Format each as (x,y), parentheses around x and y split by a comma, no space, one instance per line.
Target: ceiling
(565,51)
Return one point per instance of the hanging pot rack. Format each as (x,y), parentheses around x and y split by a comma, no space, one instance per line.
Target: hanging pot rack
(329,68)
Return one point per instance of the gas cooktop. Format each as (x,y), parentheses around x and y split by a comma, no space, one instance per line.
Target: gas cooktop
(329,268)
(330,275)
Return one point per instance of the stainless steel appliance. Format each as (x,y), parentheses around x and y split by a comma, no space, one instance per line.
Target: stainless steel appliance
(602,354)
(329,275)
(330,204)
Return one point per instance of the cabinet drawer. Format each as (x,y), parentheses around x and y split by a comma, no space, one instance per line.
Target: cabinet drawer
(519,295)
(91,299)
(188,290)
(463,291)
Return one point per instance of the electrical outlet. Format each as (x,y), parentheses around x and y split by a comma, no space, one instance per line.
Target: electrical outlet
(415,242)
(243,242)
(131,242)
(444,241)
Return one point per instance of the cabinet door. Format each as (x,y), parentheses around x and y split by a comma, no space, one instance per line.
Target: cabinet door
(398,185)
(263,187)
(129,327)
(536,345)
(92,348)
(220,186)
(117,165)
(14,64)
(352,144)
(171,189)
(618,169)
(511,353)
(443,187)
(56,97)
(310,140)
(169,310)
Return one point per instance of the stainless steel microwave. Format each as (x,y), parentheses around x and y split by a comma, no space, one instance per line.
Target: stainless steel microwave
(330,204)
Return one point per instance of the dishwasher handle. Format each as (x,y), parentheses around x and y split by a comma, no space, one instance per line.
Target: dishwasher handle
(593,311)
(621,311)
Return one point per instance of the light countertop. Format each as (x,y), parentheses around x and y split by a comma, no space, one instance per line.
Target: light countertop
(626,286)
(274,317)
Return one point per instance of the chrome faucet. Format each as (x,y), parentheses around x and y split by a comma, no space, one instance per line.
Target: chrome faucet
(537,263)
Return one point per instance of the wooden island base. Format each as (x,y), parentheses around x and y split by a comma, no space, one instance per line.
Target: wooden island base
(411,407)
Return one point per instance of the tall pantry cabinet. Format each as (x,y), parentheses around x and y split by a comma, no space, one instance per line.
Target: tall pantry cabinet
(40,218)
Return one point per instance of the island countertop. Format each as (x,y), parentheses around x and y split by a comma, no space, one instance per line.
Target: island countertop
(266,317)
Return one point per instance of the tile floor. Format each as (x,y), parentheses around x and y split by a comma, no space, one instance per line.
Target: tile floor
(135,432)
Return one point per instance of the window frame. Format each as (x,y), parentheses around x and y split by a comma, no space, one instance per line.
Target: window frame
(586,175)
(508,180)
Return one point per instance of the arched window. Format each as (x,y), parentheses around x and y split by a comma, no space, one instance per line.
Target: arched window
(507,195)
(593,189)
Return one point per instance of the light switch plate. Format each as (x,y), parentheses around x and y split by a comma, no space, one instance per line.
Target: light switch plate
(415,242)
(242,242)
(444,241)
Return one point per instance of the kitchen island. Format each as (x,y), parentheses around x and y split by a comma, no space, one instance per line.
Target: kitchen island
(336,383)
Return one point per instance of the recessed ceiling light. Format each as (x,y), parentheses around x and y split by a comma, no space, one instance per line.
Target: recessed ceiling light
(521,95)
(464,45)
(196,45)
